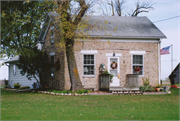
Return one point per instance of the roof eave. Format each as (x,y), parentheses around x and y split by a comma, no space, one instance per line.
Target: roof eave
(9,61)
(129,37)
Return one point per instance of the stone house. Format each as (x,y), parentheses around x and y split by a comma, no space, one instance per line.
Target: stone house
(128,41)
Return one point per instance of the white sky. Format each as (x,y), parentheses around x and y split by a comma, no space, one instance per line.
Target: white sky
(171,28)
(164,9)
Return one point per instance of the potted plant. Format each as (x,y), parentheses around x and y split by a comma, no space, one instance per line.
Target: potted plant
(137,70)
(17,85)
(158,87)
(111,76)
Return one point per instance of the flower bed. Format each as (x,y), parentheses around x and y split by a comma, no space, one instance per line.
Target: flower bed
(173,86)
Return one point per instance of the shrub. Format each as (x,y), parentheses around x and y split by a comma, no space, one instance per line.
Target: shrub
(82,91)
(147,88)
(145,81)
(16,85)
(25,87)
(141,88)
(158,86)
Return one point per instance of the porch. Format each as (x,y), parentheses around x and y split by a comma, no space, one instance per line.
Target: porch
(125,90)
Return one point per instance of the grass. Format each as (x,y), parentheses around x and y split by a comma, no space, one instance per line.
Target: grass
(35,106)
(2,86)
(170,84)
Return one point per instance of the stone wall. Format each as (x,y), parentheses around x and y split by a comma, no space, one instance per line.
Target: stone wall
(59,81)
(150,59)
(62,80)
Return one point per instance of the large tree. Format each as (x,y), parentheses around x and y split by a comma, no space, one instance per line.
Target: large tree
(71,13)
(20,24)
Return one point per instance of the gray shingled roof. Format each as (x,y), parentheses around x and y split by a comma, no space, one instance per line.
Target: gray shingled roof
(16,58)
(127,27)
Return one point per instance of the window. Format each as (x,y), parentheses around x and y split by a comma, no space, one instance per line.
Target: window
(52,57)
(14,69)
(52,60)
(52,36)
(89,65)
(137,62)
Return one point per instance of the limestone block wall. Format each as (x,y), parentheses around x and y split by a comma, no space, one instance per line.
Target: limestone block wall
(62,80)
(150,60)
(59,81)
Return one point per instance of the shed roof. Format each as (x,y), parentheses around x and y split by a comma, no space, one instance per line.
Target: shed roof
(114,27)
(16,58)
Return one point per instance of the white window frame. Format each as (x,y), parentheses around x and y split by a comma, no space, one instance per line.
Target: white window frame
(52,32)
(137,53)
(14,69)
(89,52)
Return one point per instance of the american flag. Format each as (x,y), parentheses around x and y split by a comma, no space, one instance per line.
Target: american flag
(165,50)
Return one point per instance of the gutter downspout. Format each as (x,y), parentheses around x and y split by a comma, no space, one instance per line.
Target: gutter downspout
(159,61)
(7,64)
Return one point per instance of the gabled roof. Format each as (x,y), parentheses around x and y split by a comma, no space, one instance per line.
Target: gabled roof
(127,27)
(16,58)
(114,27)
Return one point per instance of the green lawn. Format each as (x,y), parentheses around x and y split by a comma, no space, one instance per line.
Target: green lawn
(35,106)
(170,84)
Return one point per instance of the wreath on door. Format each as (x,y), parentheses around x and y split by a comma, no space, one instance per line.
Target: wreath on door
(113,65)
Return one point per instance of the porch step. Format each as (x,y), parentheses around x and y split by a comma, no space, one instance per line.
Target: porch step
(116,88)
(127,92)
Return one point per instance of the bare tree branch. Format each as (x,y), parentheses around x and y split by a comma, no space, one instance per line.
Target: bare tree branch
(142,7)
(112,6)
(84,7)
(119,5)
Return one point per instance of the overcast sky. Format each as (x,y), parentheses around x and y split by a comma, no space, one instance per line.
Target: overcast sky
(165,9)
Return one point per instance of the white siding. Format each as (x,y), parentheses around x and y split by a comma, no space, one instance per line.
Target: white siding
(4,72)
(18,78)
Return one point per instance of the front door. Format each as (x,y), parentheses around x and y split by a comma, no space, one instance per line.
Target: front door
(114,70)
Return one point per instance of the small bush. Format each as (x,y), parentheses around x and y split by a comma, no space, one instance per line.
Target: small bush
(158,86)
(145,81)
(82,91)
(147,88)
(16,85)
(25,87)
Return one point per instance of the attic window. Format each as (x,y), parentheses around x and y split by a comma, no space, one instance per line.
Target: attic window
(52,36)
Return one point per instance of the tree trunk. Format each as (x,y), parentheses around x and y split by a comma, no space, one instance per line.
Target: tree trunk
(72,67)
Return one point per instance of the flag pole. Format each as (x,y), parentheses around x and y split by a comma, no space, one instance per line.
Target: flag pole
(171,57)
